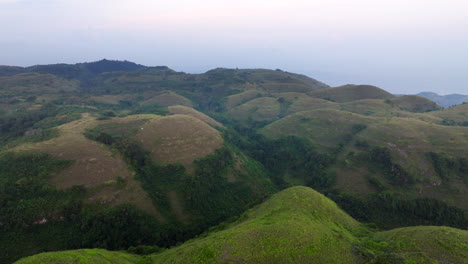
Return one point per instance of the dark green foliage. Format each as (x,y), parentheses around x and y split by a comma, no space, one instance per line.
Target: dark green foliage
(52,236)
(118,228)
(144,250)
(389,210)
(83,71)
(18,124)
(448,167)
(38,122)
(449,122)
(25,175)
(361,144)
(289,155)
(380,158)
(210,197)
(356,128)
(376,183)
(26,200)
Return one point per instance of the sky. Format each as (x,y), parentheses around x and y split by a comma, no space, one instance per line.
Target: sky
(402,46)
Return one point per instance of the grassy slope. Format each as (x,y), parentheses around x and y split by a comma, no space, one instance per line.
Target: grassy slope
(82,256)
(427,244)
(95,166)
(184,110)
(168,98)
(414,103)
(178,139)
(457,113)
(325,127)
(297,225)
(240,98)
(407,139)
(29,84)
(259,109)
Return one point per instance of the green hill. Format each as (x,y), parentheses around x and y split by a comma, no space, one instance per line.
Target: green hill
(414,103)
(453,116)
(351,92)
(297,225)
(427,244)
(430,158)
(30,84)
(83,256)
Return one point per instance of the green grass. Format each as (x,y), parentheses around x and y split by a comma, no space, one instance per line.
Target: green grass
(82,256)
(324,127)
(456,115)
(427,244)
(259,109)
(297,225)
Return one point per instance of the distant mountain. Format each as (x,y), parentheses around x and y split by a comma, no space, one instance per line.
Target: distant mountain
(80,71)
(445,100)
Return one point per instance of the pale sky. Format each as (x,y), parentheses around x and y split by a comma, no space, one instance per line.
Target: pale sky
(402,46)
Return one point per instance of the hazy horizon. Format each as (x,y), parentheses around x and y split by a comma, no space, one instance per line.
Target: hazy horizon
(403,47)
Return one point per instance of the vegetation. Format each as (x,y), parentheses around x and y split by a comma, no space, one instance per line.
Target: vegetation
(391,161)
(380,158)
(36,217)
(208,195)
(449,167)
(390,210)
(296,225)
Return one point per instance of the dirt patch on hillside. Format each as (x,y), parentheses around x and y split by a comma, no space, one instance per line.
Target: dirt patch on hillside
(178,139)
(94,166)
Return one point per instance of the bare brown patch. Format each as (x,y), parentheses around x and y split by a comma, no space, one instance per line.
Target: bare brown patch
(178,139)
(94,166)
(108,98)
